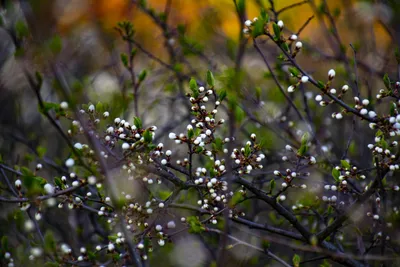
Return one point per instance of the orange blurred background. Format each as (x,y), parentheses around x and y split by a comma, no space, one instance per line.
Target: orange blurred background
(193,13)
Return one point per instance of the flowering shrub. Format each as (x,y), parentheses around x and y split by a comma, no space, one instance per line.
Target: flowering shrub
(214,178)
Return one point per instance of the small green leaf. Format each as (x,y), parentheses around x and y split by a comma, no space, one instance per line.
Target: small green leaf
(91,255)
(222,95)
(133,52)
(241,6)
(296,260)
(305,138)
(236,198)
(143,3)
(47,106)
(217,145)
(164,195)
(41,151)
(345,164)
(178,67)
(335,174)
(142,75)
(199,149)
(116,257)
(195,226)
(124,59)
(393,109)
(137,122)
(210,79)
(58,182)
(247,150)
(313,240)
(265,244)
(257,28)
(55,44)
(277,31)
(386,81)
(258,92)
(321,85)
(193,86)
(147,136)
(294,71)
(285,47)
(190,133)
(99,107)
(21,29)
(264,15)
(302,150)
(272,185)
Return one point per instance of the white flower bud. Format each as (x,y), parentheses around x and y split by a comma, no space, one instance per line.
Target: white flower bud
(372,114)
(331,74)
(172,136)
(125,146)
(247,23)
(49,188)
(171,225)
(304,79)
(70,162)
(64,105)
(280,24)
(318,98)
(299,45)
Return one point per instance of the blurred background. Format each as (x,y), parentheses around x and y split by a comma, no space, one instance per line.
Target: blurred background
(76,46)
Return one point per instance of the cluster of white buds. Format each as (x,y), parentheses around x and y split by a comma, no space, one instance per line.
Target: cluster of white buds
(331,187)
(332,199)
(248,24)
(246,157)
